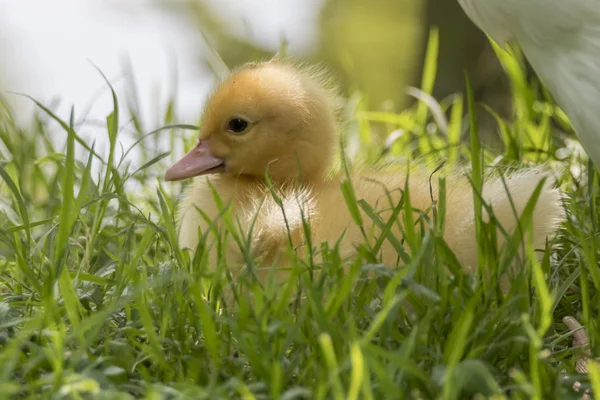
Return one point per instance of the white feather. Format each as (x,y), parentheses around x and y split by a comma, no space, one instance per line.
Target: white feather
(561,40)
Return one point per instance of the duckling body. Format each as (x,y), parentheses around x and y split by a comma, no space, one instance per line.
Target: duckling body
(275,117)
(323,207)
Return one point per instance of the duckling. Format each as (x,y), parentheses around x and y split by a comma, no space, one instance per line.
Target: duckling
(279,119)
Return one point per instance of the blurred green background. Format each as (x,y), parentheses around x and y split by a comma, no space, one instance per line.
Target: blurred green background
(376,47)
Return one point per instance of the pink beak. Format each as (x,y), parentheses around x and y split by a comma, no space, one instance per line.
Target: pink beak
(198,161)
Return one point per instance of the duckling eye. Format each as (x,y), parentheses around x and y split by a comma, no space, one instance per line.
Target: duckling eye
(237,125)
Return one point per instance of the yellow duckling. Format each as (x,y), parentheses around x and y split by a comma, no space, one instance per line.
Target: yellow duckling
(280,118)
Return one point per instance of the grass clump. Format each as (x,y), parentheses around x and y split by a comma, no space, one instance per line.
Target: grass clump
(98,301)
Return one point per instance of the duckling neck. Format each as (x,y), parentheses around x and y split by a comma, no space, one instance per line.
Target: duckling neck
(299,179)
(307,174)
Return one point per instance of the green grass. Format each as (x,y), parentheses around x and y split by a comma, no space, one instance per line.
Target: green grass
(98,301)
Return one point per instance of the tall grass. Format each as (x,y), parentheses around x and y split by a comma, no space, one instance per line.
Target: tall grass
(98,301)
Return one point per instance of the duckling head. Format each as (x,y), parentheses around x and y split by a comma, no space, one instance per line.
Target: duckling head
(272,117)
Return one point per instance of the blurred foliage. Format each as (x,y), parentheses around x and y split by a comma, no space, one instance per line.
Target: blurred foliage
(377,48)
(372,44)
(369,44)
(462,47)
